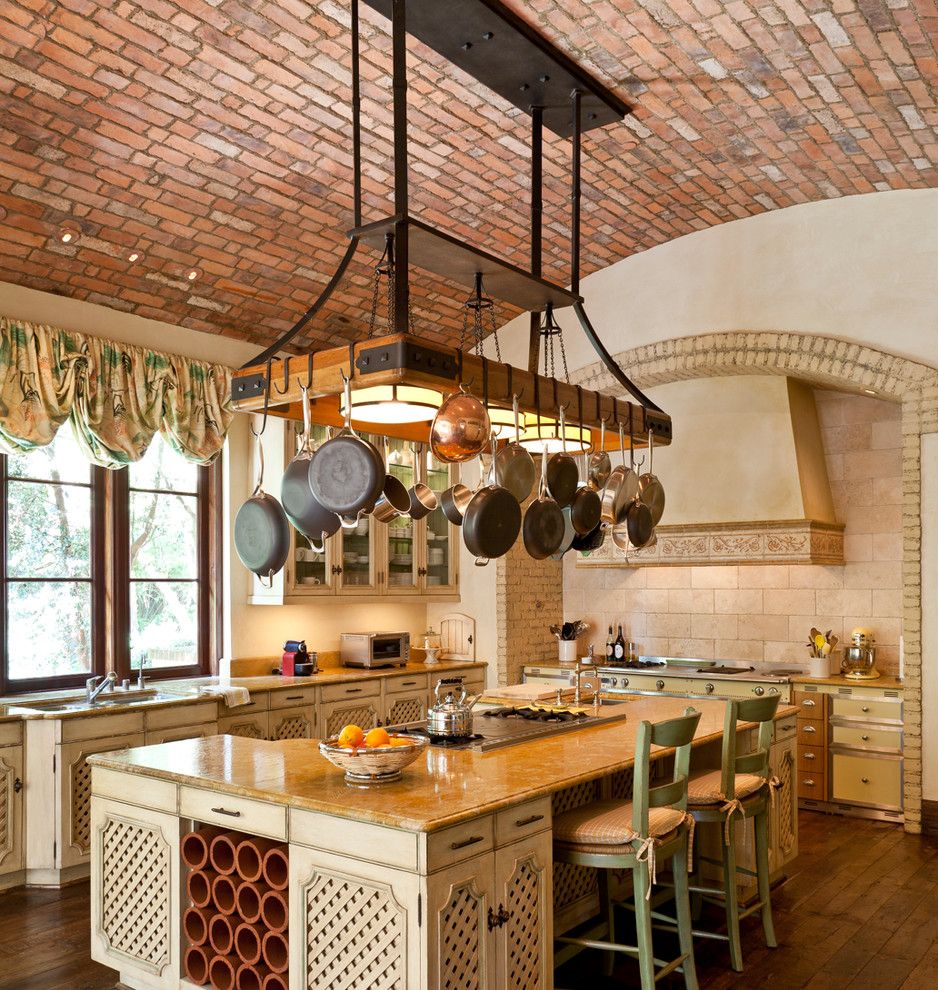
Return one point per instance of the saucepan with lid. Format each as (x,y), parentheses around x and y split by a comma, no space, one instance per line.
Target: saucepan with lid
(451,715)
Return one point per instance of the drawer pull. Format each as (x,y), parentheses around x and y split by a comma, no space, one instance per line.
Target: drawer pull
(471,841)
(294,697)
(225,811)
(408,683)
(808,756)
(809,703)
(865,780)
(865,738)
(809,783)
(353,690)
(521,822)
(865,708)
(810,728)
(17,785)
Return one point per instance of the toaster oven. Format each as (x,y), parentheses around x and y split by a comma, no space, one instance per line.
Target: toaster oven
(387,649)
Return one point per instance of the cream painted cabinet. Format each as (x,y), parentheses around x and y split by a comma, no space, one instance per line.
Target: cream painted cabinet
(404,699)
(181,722)
(250,725)
(783,822)
(363,712)
(11,811)
(292,723)
(353,924)
(135,892)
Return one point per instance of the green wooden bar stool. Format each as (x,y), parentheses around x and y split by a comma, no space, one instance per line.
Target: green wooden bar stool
(622,835)
(743,788)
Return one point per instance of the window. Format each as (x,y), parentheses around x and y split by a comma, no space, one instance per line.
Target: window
(69,610)
(51,565)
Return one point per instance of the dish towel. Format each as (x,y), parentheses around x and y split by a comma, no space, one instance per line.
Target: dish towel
(233,696)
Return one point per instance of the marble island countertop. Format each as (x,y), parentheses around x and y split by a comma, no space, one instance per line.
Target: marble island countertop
(443,787)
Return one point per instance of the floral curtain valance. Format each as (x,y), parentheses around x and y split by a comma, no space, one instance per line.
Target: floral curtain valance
(115,395)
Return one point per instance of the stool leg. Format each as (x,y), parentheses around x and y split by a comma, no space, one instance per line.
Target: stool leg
(762,869)
(682,913)
(731,898)
(641,882)
(606,911)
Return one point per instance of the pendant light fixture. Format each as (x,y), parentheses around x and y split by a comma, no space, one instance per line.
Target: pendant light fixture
(392,404)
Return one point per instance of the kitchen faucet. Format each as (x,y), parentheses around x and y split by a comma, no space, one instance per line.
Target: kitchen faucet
(92,691)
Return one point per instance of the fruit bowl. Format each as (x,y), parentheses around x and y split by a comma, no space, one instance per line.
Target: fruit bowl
(373,764)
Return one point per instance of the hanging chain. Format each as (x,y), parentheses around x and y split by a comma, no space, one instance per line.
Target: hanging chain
(550,328)
(498,350)
(382,269)
(478,302)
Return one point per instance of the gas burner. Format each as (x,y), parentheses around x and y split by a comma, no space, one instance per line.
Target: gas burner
(535,714)
(451,741)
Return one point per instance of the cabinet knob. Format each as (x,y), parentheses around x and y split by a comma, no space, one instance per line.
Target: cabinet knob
(659,685)
(17,785)
(865,738)
(709,688)
(758,690)
(865,780)
(865,708)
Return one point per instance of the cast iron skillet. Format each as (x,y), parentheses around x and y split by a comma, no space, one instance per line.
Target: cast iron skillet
(262,530)
(491,523)
(299,503)
(543,521)
(346,474)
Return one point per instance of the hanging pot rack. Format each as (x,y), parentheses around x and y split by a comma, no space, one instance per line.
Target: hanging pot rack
(491,43)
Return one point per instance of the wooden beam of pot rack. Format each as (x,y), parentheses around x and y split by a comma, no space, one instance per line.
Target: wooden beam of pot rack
(405,359)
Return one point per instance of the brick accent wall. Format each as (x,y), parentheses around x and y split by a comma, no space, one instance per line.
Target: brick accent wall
(529,599)
(826,361)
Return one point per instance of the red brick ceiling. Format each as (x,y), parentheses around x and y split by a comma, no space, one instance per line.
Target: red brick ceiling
(216,135)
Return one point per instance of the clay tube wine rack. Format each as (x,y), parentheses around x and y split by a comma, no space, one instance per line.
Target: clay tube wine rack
(236,917)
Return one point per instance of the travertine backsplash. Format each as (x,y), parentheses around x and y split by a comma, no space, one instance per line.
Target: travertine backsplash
(763,612)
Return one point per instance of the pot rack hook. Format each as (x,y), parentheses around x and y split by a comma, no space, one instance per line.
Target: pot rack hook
(266,401)
(286,377)
(309,370)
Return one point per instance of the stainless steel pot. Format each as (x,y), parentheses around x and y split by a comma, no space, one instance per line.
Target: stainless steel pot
(451,716)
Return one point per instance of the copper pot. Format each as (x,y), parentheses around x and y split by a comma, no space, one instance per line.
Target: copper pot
(460,429)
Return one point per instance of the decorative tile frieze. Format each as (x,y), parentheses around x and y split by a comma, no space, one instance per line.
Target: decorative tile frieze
(798,541)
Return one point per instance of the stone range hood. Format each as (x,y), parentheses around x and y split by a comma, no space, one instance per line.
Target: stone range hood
(745,478)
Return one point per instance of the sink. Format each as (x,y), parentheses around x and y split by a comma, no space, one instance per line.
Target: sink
(108,700)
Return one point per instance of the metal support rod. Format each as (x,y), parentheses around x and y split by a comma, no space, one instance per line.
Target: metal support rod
(575,196)
(399,87)
(356,118)
(537,215)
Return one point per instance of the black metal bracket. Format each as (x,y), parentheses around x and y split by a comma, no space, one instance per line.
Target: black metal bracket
(407,355)
(248,387)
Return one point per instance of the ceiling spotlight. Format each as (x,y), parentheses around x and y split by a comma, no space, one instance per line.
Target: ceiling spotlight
(193,274)
(133,256)
(68,235)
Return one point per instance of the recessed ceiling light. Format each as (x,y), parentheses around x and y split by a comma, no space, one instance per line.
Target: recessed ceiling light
(192,274)
(68,235)
(133,256)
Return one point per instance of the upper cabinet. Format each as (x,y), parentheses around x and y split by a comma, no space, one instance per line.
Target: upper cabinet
(403,559)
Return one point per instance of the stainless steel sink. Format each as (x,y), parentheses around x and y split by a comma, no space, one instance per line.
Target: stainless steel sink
(118,697)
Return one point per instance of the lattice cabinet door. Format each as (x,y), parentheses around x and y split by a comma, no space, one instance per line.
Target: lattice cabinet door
(249,726)
(293,723)
(460,946)
(405,708)
(354,925)
(73,843)
(524,942)
(11,809)
(135,891)
(364,713)
(783,837)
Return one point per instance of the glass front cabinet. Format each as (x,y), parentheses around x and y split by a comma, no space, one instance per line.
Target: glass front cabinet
(402,559)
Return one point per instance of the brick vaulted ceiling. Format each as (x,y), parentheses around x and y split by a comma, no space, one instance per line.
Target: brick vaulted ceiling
(216,134)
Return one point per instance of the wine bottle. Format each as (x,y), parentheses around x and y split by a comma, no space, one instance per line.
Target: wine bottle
(619,646)
(610,646)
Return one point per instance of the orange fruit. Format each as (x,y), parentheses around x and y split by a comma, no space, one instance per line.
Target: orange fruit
(351,737)
(397,741)
(377,737)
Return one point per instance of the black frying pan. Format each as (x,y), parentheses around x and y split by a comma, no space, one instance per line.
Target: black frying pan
(491,523)
(543,521)
(299,503)
(262,530)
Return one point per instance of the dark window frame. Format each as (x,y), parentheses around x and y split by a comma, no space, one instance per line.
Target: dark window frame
(110,581)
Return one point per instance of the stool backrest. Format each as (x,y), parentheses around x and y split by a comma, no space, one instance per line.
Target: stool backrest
(679,734)
(761,710)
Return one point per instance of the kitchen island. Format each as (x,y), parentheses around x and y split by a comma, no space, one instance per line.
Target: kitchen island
(444,878)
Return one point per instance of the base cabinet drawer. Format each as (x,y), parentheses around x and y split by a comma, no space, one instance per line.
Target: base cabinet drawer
(869,780)
(231,811)
(812,760)
(866,737)
(812,785)
(363,688)
(866,709)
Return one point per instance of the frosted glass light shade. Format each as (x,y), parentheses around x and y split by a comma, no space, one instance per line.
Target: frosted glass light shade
(394,404)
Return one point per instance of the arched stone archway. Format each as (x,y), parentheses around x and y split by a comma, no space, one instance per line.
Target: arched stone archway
(824,361)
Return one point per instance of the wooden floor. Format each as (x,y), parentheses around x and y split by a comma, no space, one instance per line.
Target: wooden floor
(859,911)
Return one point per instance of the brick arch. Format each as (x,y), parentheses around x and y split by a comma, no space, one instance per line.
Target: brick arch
(824,361)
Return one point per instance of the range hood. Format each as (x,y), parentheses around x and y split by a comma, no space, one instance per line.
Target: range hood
(745,477)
